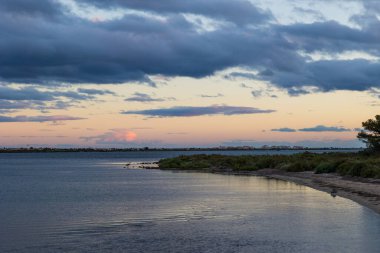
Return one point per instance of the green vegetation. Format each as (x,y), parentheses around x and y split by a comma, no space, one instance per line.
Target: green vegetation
(347,164)
(361,164)
(371,133)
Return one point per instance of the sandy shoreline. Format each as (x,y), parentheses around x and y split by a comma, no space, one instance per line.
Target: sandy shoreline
(361,190)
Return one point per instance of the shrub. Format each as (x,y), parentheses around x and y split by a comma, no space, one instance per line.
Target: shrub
(357,168)
(352,164)
(296,167)
(371,172)
(344,168)
(325,167)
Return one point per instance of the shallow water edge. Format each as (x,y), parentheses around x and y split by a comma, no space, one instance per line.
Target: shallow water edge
(365,192)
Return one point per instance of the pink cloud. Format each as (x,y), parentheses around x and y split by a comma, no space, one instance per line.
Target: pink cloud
(114,136)
(120,135)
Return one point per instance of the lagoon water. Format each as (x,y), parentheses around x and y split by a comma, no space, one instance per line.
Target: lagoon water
(88,202)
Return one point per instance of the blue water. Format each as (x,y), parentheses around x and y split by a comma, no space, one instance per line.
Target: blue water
(88,202)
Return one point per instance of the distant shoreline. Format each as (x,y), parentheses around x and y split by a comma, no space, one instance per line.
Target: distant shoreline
(75,150)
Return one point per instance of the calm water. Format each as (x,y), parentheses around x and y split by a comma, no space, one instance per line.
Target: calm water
(87,202)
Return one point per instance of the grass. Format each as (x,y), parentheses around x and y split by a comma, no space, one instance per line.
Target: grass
(346,164)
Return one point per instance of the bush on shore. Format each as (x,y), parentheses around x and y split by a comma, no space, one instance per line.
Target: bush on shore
(345,164)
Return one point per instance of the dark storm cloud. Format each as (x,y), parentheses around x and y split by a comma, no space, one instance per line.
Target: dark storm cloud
(73,50)
(129,49)
(191,111)
(55,118)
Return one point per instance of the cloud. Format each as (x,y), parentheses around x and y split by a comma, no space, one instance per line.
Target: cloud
(10,106)
(190,111)
(321,128)
(211,96)
(72,94)
(27,93)
(80,51)
(243,85)
(329,35)
(298,91)
(59,47)
(240,12)
(244,75)
(337,143)
(27,97)
(309,12)
(284,129)
(257,93)
(41,8)
(114,136)
(30,93)
(39,136)
(374,92)
(96,91)
(357,75)
(54,118)
(5,104)
(145,98)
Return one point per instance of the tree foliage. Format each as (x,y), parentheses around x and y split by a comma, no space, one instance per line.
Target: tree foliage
(371,133)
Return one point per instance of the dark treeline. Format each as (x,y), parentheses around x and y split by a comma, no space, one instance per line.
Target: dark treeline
(52,150)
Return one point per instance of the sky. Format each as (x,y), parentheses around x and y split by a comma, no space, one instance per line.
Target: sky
(187,73)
